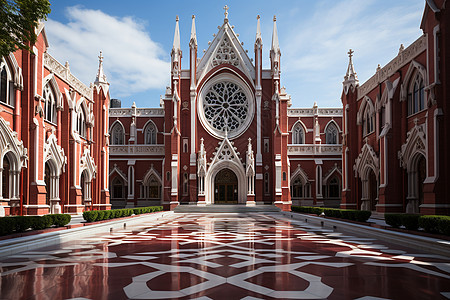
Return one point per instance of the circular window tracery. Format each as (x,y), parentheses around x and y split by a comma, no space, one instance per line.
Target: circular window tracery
(226,106)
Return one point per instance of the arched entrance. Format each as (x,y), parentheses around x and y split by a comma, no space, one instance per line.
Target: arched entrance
(225,187)
(48,184)
(421,176)
(373,190)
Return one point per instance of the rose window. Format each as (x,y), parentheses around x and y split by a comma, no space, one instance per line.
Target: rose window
(226,106)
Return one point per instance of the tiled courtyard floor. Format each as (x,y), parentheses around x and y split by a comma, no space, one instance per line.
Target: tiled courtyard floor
(225,256)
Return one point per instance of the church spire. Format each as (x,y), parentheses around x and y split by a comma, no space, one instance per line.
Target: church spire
(275,52)
(350,78)
(101,77)
(258,40)
(176,49)
(275,44)
(193,41)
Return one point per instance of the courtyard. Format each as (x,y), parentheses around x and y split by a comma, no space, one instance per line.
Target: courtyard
(225,256)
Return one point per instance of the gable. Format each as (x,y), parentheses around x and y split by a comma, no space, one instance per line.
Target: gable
(225,49)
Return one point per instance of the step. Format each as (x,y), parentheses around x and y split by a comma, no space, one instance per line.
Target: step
(224,208)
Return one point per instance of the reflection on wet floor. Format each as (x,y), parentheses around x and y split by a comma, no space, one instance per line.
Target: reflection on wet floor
(225,256)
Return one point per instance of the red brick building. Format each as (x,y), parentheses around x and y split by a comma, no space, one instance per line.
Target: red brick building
(395,141)
(225,133)
(53,159)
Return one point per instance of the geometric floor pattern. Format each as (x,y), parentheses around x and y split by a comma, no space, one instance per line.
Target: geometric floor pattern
(225,256)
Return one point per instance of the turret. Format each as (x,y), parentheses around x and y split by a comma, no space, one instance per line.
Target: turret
(176,51)
(275,52)
(350,78)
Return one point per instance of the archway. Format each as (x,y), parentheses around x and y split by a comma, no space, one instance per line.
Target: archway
(48,183)
(5,178)
(421,176)
(225,187)
(373,190)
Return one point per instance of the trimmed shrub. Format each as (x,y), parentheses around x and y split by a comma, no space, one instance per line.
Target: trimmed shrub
(60,220)
(41,222)
(394,220)
(410,221)
(444,225)
(332,212)
(98,215)
(23,223)
(429,223)
(7,225)
(349,214)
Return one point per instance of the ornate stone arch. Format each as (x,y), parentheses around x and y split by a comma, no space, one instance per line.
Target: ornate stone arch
(367,158)
(13,149)
(415,143)
(301,125)
(327,129)
(119,172)
(54,153)
(305,184)
(366,103)
(414,67)
(112,134)
(146,126)
(225,157)
(87,164)
(10,143)
(51,80)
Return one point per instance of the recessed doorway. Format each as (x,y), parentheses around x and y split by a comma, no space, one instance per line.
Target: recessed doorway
(226,187)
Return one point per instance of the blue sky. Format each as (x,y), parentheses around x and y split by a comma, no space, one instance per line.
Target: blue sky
(136,38)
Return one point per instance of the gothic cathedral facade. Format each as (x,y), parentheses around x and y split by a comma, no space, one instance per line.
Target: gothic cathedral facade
(225,133)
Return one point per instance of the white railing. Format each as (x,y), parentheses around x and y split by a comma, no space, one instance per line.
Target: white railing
(136,149)
(310,149)
(140,112)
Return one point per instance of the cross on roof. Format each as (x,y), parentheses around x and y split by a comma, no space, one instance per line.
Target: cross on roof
(350,53)
(100,57)
(226,11)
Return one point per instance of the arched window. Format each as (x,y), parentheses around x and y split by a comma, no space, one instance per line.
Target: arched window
(3,85)
(5,178)
(334,188)
(117,134)
(7,94)
(152,188)
(416,95)
(118,188)
(331,134)
(368,120)
(81,122)
(47,178)
(297,188)
(150,134)
(298,134)
(50,104)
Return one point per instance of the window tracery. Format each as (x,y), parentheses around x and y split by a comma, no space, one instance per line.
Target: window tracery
(225,54)
(117,134)
(298,134)
(150,134)
(226,106)
(331,134)
(416,95)
(50,104)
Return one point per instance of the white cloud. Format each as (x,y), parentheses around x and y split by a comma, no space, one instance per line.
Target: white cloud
(133,62)
(315,48)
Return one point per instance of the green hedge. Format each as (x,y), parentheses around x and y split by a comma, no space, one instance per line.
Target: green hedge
(435,224)
(99,215)
(430,223)
(349,214)
(13,224)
